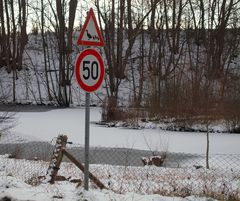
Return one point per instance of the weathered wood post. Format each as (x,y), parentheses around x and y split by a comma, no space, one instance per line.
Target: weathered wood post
(56,158)
(82,168)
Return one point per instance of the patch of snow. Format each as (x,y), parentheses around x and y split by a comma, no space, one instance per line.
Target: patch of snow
(95,195)
(65,191)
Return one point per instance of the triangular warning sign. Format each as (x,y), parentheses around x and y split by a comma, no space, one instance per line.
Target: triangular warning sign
(90,33)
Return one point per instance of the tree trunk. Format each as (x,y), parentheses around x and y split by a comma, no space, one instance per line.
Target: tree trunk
(44,44)
(207,150)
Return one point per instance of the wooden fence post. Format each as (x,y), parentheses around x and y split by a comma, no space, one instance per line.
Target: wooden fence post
(58,153)
(81,167)
(56,158)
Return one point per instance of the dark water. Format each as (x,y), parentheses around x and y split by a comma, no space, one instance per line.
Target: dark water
(98,155)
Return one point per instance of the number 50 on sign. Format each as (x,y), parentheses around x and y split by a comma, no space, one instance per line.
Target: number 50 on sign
(89,70)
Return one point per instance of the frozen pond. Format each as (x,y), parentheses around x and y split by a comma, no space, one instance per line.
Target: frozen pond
(46,124)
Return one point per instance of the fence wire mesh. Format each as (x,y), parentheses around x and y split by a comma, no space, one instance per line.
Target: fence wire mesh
(127,170)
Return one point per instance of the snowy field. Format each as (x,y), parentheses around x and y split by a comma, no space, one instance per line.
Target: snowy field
(19,177)
(16,190)
(144,183)
(47,124)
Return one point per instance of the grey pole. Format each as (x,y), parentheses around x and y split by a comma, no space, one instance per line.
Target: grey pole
(87,117)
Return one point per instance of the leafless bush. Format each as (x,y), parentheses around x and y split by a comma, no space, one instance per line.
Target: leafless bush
(112,112)
(232,116)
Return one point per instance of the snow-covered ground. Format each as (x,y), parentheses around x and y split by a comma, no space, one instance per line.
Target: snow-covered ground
(48,124)
(17,190)
(133,182)
(45,124)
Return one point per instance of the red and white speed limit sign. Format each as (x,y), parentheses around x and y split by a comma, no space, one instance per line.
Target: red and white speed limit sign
(89,70)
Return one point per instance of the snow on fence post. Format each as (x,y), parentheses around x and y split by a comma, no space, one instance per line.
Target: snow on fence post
(56,159)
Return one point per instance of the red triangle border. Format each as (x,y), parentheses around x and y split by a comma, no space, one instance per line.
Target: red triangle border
(90,43)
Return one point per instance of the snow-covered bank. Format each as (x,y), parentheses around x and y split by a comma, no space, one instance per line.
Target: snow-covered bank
(16,190)
(22,180)
(48,124)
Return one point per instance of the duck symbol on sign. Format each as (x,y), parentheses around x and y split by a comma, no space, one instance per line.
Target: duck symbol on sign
(90,36)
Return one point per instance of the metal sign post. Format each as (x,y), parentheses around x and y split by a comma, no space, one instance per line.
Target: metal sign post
(89,75)
(87,118)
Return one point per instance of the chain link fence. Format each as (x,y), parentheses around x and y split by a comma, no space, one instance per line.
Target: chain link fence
(126,170)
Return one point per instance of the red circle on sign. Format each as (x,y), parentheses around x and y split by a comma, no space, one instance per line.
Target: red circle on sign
(80,80)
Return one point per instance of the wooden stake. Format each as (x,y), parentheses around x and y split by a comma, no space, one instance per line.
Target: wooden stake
(81,167)
(56,158)
(58,153)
